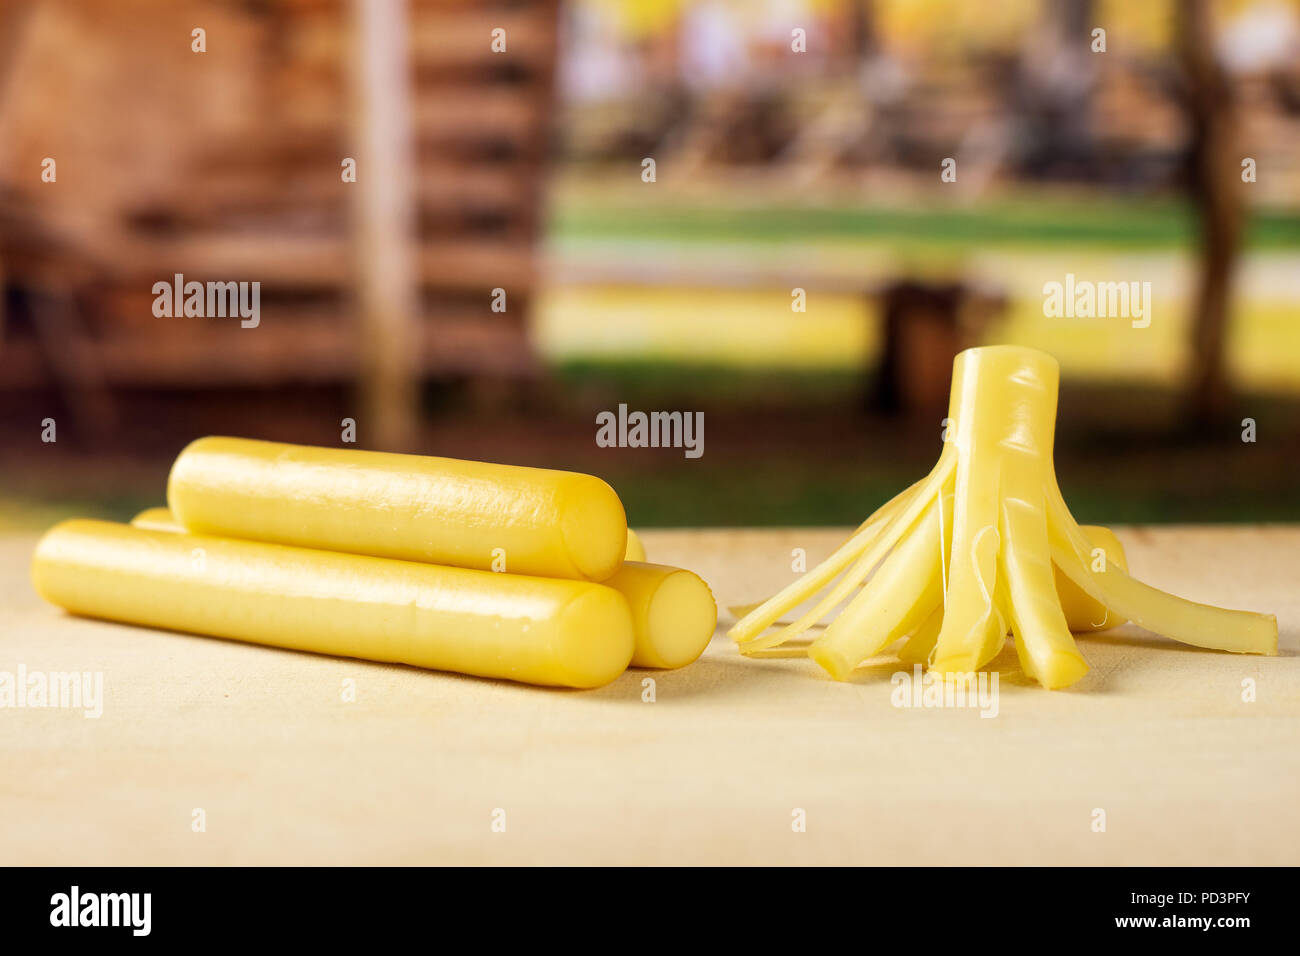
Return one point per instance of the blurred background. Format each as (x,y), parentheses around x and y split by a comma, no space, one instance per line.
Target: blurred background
(504,266)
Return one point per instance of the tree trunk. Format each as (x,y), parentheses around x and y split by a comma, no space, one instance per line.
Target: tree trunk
(384,236)
(1214,188)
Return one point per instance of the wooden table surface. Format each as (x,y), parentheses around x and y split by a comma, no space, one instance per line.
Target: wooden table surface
(718,768)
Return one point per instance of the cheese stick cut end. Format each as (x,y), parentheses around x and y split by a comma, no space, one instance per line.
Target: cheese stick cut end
(467,514)
(594,528)
(673,613)
(548,631)
(635,549)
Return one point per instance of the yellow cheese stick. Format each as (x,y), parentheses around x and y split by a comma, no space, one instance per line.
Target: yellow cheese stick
(673,613)
(537,630)
(156,519)
(468,514)
(635,549)
(161,519)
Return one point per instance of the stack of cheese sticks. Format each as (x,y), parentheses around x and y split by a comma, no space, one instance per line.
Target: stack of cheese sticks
(492,570)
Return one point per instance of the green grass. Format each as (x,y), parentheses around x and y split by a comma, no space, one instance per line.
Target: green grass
(1136,224)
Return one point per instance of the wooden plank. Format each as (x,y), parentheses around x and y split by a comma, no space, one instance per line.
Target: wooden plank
(441,187)
(464,116)
(324,261)
(317,46)
(284,349)
(479,264)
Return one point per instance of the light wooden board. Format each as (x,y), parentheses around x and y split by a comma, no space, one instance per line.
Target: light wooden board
(712,771)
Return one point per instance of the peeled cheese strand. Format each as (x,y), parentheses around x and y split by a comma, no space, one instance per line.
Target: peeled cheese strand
(1013,557)
(1082,612)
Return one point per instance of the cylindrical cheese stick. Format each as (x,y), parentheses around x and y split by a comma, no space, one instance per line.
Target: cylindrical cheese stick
(635,549)
(537,630)
(673,613)
(469,514)
(162,519)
